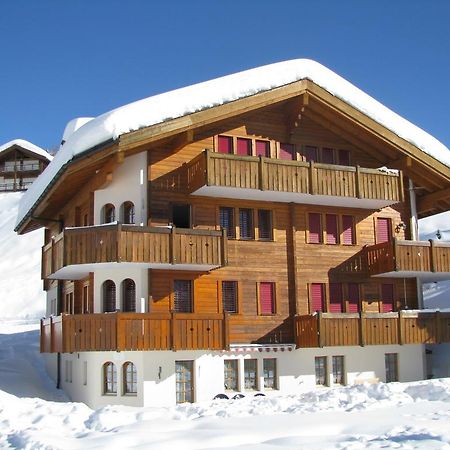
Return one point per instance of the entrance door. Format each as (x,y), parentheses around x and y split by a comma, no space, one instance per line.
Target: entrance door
(181,215)
(184,372)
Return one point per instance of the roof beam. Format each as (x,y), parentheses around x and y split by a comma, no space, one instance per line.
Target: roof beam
(428,202)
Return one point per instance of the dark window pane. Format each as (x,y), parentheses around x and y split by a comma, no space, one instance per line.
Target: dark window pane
(226,218)
(246,223)
(229,296)
(265,224)
(182,296)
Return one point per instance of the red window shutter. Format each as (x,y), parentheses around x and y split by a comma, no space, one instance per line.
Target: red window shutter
(310,153)
(331,228)
(336,297)
(328,155)
(353,297)
(383,229)
(387,297)
(348,232)
(287,151)
(317,297)
(315,230)
(267,298)
(262,149)
(225,144)
(344,157)
(244,147)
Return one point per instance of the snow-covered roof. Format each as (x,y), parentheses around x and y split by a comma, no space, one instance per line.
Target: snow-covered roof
(28,146)
(190,99)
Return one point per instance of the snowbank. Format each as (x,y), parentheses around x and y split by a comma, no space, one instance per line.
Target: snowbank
(180,102)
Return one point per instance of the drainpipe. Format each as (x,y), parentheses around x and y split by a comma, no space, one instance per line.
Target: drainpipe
(414,227)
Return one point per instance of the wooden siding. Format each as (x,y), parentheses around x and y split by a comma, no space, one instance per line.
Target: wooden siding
(114,243)
(266,174)
(134,331)
(404,327)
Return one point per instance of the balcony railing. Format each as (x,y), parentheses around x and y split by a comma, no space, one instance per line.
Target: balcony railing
(31,167)
(134,331)
(155,246)
(404,327)
(9,187)
(296,178)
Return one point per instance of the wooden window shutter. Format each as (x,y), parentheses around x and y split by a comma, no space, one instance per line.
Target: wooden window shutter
(317,297)
(182,296)
(353,297)
(387,297)
(336,298)
(267,298)
(263,149)
(384,233)
(244,147)
(348,230)
(315,229)
(331,228)
(225,144)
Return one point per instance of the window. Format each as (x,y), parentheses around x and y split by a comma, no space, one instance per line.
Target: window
(181,215)
(182,296)
(387,297)
(336,298)
(353,297)
(225,144)
(226,219)
(287,151)
(128,295)
(317,299)
(85,306)
(344,157)
(230,296)
(320,363)
(128,212)
(109,296)
(315,228)
(109,213)
(246,223)
(391,366)
(270,373)
(338,370)
(262,149)
(348,230)
(384,229)
(184,374)
(327,155)
(266,298)
(264,225)
(311,153)
(129,377)
(69,303)
(109,378)
(250,374)
(230,373)
(331,228)
(244,147)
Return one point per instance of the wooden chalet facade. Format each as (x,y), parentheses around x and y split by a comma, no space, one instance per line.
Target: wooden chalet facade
(20,164)
(281,225)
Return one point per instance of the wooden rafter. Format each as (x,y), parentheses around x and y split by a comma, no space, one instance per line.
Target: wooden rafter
(428,202)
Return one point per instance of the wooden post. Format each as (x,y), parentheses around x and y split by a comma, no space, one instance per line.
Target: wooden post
(312,179)
(437,327)
(395,253)
(207,168)
(262,174)
(400,322)
(172,246)
(362,329)
(172,332)
(358,182)
(401,189)
(118,241)
(120,333)
(319,328)
(52,257)
(432,256)
(226,331)
(224,248)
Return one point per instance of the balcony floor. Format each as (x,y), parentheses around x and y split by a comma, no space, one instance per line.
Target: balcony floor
(290,197)
(425,277)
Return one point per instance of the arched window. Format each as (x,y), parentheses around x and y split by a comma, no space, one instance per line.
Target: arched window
(128,212)
(129,377)
(109,213)
(109,378)
(128,295)
(109,296)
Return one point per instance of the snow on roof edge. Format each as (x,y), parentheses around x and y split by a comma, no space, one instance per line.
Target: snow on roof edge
(28,146)
(190,99)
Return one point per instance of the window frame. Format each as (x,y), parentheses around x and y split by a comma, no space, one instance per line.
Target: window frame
(323,294)
(274,377)
(234,373)
(125,293)
(104,294)
(191,294)
(269,225)
(230,231)
(236,293)
(255,385)
(185,393)
(391,367)
(274,298)
(106,379)
(251,226)
(336,373)
(321,370)
(126,382)
(108,212)
(128,213)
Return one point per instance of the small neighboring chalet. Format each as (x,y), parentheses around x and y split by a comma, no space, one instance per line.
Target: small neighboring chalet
(21,162)
(256,233)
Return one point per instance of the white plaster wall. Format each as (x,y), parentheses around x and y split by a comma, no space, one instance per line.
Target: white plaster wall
(129,183)
(439,360)
(51,297)
(123,271)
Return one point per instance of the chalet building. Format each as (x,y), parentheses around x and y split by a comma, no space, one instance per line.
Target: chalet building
(256,233)
(21,162)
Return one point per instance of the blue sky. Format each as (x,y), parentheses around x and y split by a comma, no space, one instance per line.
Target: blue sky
(61,59)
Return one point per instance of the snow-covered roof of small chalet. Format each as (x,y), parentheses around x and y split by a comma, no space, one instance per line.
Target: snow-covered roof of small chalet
(190,99)
(27,146)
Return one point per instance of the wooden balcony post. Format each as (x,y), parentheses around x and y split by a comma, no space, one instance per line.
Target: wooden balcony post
(207,168)
(358,182)
(173,341)
(262,173)
(401,190)
(52,256)
(120,333)
(172,256)
(432,255)
(118,240)
(400,323)
(226,331)
(395,253)
(224,248)
(319,329)
(312,179)
(362,328)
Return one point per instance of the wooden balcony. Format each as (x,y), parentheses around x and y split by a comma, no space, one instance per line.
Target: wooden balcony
(429,260)
(134,331)
(71,254)
(258,178)
(404,327)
